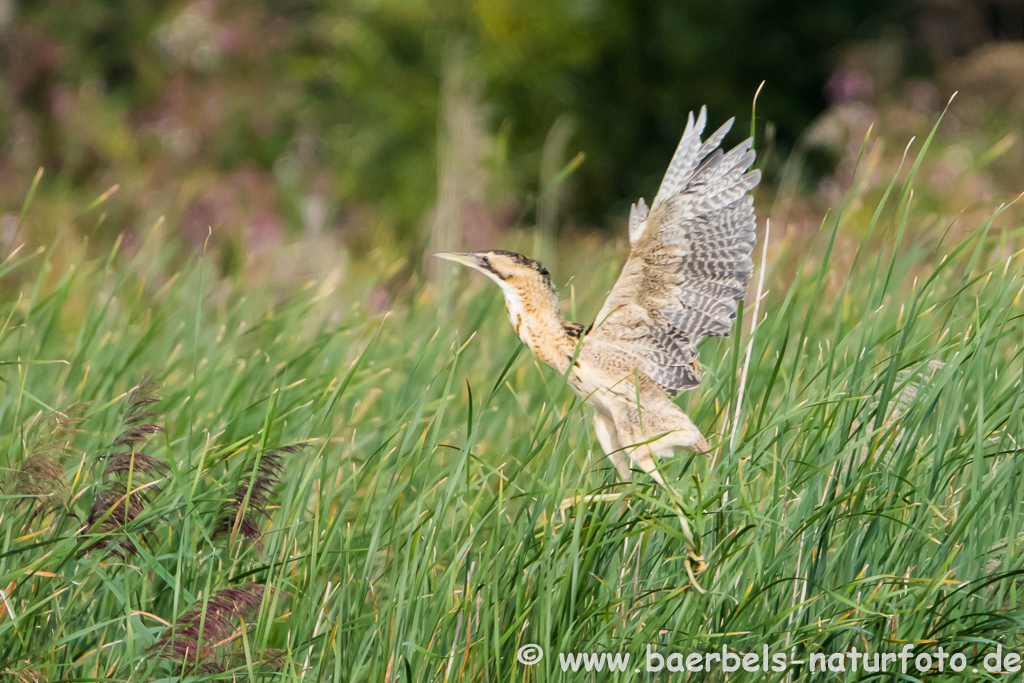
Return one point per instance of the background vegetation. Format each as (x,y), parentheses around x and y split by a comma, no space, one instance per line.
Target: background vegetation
(864,490)
(248,433)
(386,128)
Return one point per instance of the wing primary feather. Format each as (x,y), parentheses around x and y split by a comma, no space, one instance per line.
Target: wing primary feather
(684,160)
(689,262)
(637,215)
(715,139)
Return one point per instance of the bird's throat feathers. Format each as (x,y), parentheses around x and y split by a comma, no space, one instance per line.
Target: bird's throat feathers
(533,312)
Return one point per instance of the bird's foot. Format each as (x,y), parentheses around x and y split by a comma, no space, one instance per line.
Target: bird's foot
(578,499)
(591,498)
(694,562)
(695,565)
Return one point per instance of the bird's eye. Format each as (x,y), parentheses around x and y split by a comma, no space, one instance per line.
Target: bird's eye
(486,260)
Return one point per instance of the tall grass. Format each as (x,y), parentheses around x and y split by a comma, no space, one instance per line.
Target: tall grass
(871,497)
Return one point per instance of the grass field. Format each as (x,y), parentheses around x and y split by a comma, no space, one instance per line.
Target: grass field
(865,488)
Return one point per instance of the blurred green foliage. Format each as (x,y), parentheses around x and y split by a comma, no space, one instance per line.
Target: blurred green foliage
(224,112)
(863,489)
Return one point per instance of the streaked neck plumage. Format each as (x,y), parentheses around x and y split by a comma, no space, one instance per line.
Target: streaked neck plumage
(533,311)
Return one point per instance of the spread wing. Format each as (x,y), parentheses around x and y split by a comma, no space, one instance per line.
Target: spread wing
(690,260)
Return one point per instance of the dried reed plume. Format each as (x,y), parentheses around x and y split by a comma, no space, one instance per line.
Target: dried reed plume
(239,514)
(194,638)
(25,675)
(40,476)
(121,500)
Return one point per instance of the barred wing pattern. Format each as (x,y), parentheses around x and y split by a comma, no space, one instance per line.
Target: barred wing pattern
(690,260)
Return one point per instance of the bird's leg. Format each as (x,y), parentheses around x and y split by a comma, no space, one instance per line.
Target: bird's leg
(590,498)
(607,436)
(604,427)
(577,499)
(694,562)
(621,462)
(573,501)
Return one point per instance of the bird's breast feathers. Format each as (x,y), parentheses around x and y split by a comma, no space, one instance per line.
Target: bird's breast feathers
(601,373)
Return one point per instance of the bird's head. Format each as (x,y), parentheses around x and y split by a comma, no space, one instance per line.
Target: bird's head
(511,271)
(525,284)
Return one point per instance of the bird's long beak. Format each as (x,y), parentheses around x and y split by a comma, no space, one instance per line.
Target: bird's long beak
(470,260)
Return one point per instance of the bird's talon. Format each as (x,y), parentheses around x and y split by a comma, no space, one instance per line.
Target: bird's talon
(590,498)
(691,571)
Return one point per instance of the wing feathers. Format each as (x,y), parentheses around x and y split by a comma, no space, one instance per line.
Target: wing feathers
(684,160)
(637,215)
(690,153)
(690,259)
(715,139)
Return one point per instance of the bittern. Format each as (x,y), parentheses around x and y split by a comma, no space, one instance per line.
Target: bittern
(688,266)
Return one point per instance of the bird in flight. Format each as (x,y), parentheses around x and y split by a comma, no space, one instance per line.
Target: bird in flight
(688,266)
